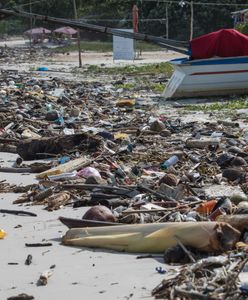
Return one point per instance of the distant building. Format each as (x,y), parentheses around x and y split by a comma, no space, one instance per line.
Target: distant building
(240,17)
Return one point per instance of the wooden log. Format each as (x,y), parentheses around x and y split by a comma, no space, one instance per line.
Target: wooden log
(16,170)
(95,186)
(17,212)
(79,223)
(38,245)
(201,144)
(29,149)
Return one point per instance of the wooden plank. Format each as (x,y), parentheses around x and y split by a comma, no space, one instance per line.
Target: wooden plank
(70,166)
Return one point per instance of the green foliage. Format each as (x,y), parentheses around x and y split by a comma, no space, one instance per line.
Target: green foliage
(3,27)
(96,46)
(161,68)
(102,46)
(231,104)
(157,87)
(126,86)
(141,84)
(243,28)
(206,18)
(12,26)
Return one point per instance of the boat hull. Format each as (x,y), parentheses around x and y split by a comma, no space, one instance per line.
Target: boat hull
(208,77)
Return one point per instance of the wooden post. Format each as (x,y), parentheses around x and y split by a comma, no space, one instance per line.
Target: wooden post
(31,25)
(192,20)
(78,35)
(167,21)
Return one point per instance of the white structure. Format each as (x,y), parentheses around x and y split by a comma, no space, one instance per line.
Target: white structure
(123,48)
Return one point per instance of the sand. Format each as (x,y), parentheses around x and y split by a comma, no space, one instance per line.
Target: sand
(80,273)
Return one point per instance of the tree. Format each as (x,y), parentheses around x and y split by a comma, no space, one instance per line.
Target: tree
(206,18)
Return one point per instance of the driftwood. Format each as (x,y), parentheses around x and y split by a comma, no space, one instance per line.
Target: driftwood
(94,186)
(70,166)
(114,189)
(8,140)
(6,187)
(15,170)
(192,259)
(240,222)
(77,223)
(21,297)
(157,194)
(43,195)
(146,211)
(8,148)
(201,144)
(23,189)
(55,201)
(191,294)
(18,212)
(29,149)
(38,244)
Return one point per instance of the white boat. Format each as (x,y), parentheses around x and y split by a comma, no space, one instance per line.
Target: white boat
(208,77)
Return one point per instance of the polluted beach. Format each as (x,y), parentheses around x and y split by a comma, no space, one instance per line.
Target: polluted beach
(123,150)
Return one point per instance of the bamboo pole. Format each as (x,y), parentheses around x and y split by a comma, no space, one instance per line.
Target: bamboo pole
(167,21)
(78,35)
(191,20)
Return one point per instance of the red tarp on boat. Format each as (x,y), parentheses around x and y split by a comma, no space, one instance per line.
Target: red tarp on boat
(222,43)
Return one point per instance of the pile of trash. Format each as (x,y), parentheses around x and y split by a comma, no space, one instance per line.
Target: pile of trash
(9,55)
(155,182)
(214,277)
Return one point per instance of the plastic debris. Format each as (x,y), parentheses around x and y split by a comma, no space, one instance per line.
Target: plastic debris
(2,234)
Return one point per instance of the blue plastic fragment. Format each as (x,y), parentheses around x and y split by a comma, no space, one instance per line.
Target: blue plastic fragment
(130,148)
(244,288)
(160,270)
(60,121)
(64,159)
(42,69)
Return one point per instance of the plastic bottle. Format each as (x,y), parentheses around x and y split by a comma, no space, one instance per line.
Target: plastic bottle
(49,106)
(62,111)
(4,97)
(169,162)
(64,159)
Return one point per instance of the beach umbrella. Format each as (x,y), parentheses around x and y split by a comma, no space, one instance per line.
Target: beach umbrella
(37,31)
(66,30)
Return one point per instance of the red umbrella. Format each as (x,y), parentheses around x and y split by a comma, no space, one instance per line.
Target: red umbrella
(135,13)
(66,30)
(37,31)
